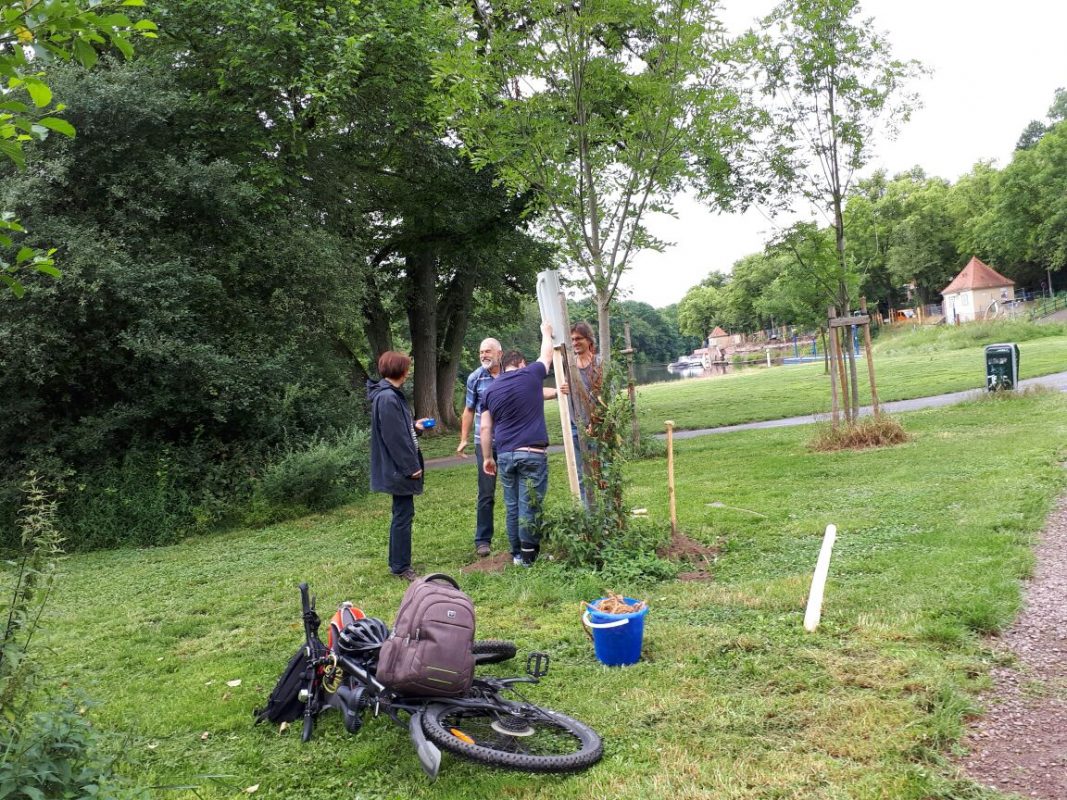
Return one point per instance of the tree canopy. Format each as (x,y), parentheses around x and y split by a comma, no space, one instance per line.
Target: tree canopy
(601,112)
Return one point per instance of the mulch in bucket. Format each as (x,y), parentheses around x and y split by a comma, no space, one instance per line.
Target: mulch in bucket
(617,626)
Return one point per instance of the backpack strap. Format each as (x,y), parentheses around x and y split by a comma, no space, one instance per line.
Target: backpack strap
(440,576)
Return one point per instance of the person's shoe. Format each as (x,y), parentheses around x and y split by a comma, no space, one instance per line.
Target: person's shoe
(517,561)
(408,575)
(482,549)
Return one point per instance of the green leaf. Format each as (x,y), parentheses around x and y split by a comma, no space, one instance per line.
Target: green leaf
(15,105)
(16,288)
(25,254)
(122,46)
(58,125)
(85,53)
(145,25)
(39,92)
(48,269)
(14,152)
(138,3)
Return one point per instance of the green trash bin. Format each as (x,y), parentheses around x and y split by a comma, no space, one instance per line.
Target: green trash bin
(1001,366)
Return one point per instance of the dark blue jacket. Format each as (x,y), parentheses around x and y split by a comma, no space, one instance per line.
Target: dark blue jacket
(394,451)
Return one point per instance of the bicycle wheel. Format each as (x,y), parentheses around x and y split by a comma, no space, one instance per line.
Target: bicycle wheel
(492,651)
(531,739)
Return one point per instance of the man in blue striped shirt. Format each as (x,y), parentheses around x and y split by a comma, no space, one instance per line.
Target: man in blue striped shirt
(489,354)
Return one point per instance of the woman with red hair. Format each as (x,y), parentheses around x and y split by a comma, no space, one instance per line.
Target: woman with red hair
(396,464)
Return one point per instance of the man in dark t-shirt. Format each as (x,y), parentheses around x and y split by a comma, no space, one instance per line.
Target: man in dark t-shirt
(513,423)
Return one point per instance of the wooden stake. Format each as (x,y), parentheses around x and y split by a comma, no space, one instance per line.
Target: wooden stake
(670,476)
(835,411)
(842,376)
(562,363)
(629,352)
(565,423)
(870,358)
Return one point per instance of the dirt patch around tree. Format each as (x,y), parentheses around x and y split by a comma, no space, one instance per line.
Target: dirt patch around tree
(1020,745)
(699,557)
(496,562)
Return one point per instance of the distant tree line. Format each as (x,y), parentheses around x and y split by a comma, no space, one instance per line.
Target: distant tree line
(908,235)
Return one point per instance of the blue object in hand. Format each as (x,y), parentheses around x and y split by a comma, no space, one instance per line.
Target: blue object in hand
(428,423)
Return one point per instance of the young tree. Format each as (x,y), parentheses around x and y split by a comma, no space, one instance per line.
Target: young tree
(829,79)
(602,110)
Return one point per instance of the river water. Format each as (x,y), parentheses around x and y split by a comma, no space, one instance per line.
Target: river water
(654,373)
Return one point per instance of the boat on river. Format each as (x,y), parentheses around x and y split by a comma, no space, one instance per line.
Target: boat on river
(686,364)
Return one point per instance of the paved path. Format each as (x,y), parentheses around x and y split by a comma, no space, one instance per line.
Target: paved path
(1057,380)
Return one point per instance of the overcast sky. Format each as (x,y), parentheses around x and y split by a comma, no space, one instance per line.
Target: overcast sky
(995,67)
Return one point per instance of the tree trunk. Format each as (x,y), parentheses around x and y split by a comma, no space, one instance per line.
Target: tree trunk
(422,320)
(603,318)
(357,374)
(376,323)
(453,323)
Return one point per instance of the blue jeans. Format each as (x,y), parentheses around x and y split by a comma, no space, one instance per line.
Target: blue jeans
(483,529)
(524,477)
(400,533)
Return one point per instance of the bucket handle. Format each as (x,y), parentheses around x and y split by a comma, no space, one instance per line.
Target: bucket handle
(614,624)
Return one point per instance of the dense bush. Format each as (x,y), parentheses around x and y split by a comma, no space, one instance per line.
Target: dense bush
(198,329)
(322,475)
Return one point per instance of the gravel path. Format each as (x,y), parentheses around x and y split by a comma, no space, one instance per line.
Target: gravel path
(1020,745)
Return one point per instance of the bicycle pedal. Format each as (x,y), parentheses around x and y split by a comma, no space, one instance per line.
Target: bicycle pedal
(537,665)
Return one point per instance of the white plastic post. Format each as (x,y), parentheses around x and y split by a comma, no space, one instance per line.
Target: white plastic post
(818,580)
(548,303)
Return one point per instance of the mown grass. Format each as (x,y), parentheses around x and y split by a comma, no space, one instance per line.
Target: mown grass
(908,364)
(732,699)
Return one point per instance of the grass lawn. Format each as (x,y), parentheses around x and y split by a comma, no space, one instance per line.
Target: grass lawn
(732,700)
(910,364)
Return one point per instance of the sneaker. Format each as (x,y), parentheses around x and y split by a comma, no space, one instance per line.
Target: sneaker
(408,575)
(517,561)
(482,549)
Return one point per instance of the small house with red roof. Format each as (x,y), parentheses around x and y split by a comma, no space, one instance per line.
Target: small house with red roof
(719,346)
(976,293)
(719,338)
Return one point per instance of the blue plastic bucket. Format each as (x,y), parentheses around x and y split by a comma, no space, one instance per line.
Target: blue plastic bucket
(617,638)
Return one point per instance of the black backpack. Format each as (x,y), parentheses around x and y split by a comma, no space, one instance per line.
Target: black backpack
(284,703)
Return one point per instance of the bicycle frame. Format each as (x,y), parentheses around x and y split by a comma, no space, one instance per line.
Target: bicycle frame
(484,693)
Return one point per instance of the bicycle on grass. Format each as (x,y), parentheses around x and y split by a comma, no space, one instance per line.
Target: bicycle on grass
(492,724)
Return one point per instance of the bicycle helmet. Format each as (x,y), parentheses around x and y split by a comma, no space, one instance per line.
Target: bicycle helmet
(362,637)
(346,613)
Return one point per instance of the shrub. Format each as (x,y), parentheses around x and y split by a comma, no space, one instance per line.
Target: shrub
(324,474)
(590,538)
(600,535)
(141,500)
(58,754)
(879,431)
